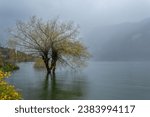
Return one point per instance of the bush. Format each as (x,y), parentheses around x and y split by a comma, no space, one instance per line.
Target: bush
(9,67)
(7,92)
(39,63)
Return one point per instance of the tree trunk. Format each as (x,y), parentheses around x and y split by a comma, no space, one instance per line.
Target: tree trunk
(53,66)
(47,66)
(46,62)
(53,61)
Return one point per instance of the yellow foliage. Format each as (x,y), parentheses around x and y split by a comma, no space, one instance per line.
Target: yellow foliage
(7,92)
(4,74)
(39,63)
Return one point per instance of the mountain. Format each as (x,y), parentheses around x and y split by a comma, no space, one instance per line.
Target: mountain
(122,42)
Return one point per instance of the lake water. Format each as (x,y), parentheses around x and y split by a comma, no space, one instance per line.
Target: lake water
(100,80)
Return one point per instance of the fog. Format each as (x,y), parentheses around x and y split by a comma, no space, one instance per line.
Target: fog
(112,29)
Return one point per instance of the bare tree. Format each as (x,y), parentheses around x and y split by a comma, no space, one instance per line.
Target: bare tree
(54,41)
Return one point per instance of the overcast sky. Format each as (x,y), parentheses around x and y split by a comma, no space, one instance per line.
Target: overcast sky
(87,13)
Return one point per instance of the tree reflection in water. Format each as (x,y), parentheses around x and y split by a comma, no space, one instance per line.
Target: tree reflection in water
(67,85)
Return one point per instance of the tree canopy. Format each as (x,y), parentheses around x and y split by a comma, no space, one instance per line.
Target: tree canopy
(55,41)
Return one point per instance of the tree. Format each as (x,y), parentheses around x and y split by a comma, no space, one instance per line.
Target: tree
(54,41)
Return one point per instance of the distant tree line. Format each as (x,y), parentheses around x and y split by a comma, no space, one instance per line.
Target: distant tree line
(8,55)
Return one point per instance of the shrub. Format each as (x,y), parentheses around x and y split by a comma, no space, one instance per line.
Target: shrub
(9,67)
(39,63)
(7,91)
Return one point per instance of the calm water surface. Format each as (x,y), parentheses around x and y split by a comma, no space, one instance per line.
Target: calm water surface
(100,80)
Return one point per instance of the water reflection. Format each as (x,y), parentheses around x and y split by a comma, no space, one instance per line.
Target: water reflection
(100,80)
(62,85)
(55,87)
